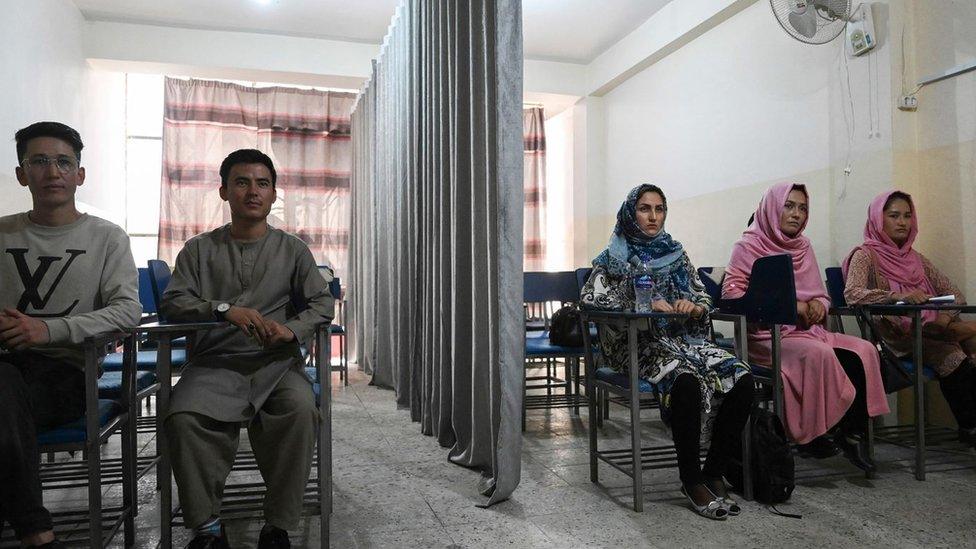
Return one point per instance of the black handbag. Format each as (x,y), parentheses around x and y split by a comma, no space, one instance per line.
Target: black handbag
(564,329)
(894,376)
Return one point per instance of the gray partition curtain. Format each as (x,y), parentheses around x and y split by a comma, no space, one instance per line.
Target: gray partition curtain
(534,233)
(436,249)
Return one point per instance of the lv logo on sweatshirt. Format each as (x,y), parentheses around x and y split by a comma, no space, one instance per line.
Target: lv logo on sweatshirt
(32,281)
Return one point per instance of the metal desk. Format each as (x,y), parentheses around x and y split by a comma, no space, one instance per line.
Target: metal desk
(915,312)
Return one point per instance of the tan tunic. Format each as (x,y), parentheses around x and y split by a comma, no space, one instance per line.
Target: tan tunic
(865,286)
(230,375)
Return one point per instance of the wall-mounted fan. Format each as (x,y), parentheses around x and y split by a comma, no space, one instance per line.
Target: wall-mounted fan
(812,21)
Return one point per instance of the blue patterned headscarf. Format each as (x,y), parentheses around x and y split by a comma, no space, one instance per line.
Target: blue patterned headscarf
(629,243)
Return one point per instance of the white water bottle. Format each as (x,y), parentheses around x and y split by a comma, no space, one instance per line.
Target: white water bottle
(643,289)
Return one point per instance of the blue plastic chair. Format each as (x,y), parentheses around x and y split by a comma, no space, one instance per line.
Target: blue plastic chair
(540,289)
(104,416)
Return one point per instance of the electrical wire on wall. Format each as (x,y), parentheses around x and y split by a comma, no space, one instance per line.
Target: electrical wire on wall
(849,121)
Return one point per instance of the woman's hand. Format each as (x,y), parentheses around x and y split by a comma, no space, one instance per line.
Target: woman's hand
(913,297)
(803,312)
(686,307)
(661,306)
(816,312)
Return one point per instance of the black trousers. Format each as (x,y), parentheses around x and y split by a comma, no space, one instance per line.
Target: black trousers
(959,390)
(686,402)
(36,394)
(855,420)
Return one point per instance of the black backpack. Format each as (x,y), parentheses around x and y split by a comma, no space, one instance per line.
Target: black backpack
(564,329)
(772,460)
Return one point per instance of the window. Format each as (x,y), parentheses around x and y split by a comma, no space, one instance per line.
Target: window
(143,162)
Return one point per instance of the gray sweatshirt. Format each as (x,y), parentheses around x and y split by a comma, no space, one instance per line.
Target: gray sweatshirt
(79,279)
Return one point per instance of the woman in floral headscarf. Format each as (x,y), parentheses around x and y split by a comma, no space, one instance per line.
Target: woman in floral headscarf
(818,366)
(692,377)
(885,269)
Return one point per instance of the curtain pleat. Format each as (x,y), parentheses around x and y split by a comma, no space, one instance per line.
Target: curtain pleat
(436,248)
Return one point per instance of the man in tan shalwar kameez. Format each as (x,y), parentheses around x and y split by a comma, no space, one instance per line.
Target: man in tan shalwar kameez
(265,283)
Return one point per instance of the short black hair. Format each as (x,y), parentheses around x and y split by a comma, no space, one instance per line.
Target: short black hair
(56,130)
(246,156)
(650,188)
(895,196)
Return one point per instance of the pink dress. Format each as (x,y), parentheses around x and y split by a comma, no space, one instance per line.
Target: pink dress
(817,392)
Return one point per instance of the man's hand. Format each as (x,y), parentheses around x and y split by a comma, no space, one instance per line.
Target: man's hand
(250,322)
(278,334)
(19,331)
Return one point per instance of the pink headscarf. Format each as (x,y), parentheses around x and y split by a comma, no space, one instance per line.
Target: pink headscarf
(901,265)
(764,238)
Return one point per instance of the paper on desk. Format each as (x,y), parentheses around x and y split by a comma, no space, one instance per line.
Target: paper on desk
(937,299)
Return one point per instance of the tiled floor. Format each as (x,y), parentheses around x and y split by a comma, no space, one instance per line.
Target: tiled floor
(395,488)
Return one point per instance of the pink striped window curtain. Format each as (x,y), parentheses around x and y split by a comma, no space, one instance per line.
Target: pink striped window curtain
(534,224)
(306,134)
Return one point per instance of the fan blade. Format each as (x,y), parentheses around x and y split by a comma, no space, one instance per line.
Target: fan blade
(805,24)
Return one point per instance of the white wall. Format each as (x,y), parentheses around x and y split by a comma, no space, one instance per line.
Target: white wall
(736,109)
(48,79)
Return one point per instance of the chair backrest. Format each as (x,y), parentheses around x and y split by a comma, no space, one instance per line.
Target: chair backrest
(835,286)
(712,278)
(771,295)
(159,276)
(335,288)
(146,292)
(542,287)
(582,275)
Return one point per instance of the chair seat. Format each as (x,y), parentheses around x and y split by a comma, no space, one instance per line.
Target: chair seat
(145,360)
(537,345)
(337,329)
(75,431)
(110,384)
(613,377)
(909,367)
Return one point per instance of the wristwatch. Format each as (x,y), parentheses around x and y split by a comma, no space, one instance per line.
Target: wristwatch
(221,310)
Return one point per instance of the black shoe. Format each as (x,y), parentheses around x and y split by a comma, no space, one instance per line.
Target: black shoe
(207,541)
(856,451)
(275,538)
(821,447)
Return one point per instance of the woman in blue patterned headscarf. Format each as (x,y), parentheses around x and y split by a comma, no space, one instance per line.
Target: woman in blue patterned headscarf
(704,390)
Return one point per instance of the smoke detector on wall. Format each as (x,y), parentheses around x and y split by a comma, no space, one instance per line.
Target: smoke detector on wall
(860,31)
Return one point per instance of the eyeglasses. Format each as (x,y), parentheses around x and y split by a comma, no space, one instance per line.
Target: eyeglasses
(65,164)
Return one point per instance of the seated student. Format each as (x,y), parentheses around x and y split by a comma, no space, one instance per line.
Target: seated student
(885,269)
(690,375)
(64,276)
(828,379)
(253,276)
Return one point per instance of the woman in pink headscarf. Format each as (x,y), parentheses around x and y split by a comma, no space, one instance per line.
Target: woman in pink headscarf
(828,379)
(885,269)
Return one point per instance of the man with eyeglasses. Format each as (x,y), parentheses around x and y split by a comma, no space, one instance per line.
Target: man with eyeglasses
(64,276)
